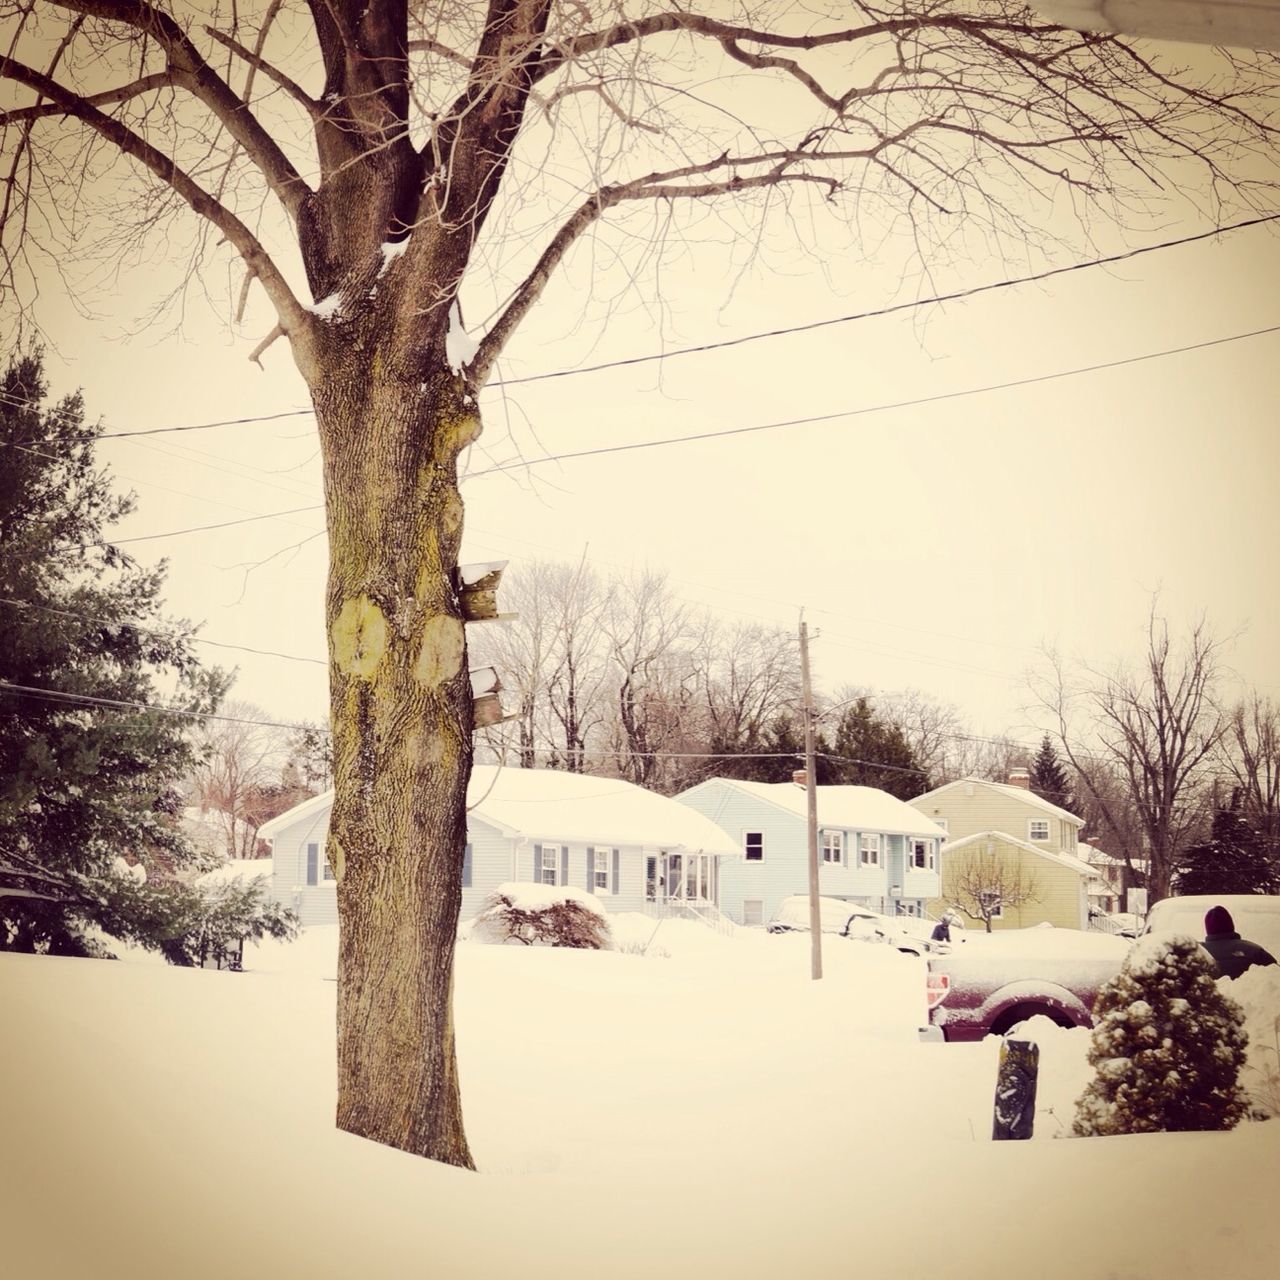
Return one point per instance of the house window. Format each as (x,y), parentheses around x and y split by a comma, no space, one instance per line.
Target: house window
(753,846)
(328,870)
(833,847)
(753,911)
(869,850)
(989,900)
(1038,829)
(921,858)
(550,863)
(600,875)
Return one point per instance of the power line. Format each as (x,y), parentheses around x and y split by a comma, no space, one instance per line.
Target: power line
(85,699)
(864,411)
(880,408)
(937,299)
(203,528)
(154,631)
(875,313)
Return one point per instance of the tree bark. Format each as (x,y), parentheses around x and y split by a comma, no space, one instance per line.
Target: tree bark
(401,711)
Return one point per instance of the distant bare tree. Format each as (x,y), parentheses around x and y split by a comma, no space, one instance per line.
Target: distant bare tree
(1251,756)
(369,162)
(985,882)
(749,675)
(239,758)
(1156,730)
(575,688)
(651,636)
(521,650)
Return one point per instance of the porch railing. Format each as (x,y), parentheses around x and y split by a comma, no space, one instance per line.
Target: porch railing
(700,909)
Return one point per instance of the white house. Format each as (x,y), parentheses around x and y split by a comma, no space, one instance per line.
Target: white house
(873,849)
(632,848)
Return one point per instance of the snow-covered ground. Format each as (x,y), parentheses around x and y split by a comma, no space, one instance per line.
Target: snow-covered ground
(699,1108)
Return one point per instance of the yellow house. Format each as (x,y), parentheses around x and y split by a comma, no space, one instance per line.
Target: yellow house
(1016,884)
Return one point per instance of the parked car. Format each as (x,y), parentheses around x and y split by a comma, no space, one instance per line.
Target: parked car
(851,920)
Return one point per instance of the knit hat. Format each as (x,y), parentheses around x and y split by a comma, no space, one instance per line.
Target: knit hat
(1218,920)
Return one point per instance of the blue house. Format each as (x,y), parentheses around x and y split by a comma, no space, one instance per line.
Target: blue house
(873,849)
(633,849)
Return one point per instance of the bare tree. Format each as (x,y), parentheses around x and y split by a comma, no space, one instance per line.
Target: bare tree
(651,642)
(390,153)
(576,685)
(749,675)
(986,882)
(522,652)
(1251,756)
(1156,731)
(239,758)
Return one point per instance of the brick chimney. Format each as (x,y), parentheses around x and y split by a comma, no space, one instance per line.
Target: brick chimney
(800,777)
(1020,778)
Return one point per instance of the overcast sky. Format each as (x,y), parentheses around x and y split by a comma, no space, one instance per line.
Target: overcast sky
(934,545)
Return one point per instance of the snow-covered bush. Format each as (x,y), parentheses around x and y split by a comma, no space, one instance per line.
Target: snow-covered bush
(1167,1046)
(543,915)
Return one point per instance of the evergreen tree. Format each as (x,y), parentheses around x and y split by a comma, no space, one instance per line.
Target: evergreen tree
(88,799)
(1167,1046)
(774,756)
(865,737)
(1232,860)
(1049,778)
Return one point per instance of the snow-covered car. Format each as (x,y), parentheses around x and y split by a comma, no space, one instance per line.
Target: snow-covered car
(1256,916)
(851,920)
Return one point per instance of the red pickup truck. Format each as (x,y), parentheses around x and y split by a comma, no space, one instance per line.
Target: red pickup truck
(994,981)
(990,985)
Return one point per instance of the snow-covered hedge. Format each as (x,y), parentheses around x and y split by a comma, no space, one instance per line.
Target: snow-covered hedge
(543,915)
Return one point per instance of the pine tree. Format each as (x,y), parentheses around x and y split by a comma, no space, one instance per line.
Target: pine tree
(1167,1046)
(883,756)
(88,799)
(1049,778)
(1232,860)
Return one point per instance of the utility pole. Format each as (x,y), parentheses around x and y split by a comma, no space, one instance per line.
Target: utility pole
(811,803)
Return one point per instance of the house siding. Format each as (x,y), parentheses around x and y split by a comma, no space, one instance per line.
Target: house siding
(785,868)
(994,809)
(495,859)
(1061,898)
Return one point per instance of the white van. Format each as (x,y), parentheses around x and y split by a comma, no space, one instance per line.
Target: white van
(1256,916)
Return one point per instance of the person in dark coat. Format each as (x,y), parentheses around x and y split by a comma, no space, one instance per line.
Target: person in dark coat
(942,930)
(1233,953)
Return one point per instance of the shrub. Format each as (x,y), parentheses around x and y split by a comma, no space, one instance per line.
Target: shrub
(543,915)
(1167,1046)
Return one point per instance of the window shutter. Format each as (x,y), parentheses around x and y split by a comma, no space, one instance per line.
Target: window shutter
(313,862)
(617,870)
(564,864)
(591,868)
(537,864)
(466,866)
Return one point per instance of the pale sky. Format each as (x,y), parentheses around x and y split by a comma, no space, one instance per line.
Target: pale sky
(934,546)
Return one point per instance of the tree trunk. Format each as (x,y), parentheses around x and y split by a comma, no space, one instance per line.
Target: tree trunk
(400,704)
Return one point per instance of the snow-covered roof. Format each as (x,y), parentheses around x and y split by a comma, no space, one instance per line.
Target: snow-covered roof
(1038,802)
(855,808)
(573,808)
(1062,859)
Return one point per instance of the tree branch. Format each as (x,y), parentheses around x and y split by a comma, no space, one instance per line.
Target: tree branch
(292,315)
(157,80)
(190,71)
(259,63)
